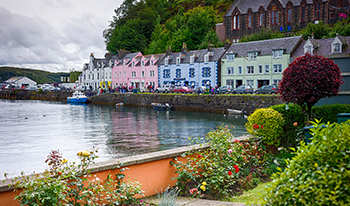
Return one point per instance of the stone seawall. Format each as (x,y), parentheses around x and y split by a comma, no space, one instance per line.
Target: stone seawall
(193,102)
(202,103)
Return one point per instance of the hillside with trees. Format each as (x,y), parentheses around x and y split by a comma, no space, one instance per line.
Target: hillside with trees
(151,26)
(41,77)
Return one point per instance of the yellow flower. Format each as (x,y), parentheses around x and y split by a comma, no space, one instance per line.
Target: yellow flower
(64,161)
(80,153)
(204,183)
(86,153)
(202,188)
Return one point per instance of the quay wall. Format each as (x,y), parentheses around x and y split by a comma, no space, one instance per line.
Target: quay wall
(153,170)
(191,102)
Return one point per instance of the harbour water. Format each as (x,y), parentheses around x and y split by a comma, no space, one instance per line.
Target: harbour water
(30,129)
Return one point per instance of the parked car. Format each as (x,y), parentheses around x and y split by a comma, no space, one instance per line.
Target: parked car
(183,89)
(267,89)
(165,89)
(243,90)
(225,89)
(32,88)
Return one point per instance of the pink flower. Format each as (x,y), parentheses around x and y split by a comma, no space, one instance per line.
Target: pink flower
(229,151)
(295,124)
(262,127)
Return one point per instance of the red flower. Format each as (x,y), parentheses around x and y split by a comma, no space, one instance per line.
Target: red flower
(59,173)
(255,126)
(295,124)
(199,156)
(229,173)
(236,168)
(236,141)
(262,127)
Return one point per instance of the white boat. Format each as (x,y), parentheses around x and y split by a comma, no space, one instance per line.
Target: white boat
(78,97)
(159,106)
(119,104)
(237,112)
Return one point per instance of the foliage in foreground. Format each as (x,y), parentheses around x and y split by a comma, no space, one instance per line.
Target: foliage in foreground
(319,174)
(225,169)
(66,183)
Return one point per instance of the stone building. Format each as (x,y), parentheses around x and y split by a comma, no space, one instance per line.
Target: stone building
(246,17)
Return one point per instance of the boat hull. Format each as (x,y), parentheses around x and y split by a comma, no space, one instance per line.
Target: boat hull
(77,100)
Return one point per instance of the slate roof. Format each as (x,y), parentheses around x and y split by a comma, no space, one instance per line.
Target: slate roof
(324,47)
(265,47)
(244,5)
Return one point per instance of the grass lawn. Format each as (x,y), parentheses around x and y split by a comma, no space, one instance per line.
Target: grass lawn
(252,197)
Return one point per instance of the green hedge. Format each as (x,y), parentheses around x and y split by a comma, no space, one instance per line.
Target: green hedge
(293,134)
(319,174)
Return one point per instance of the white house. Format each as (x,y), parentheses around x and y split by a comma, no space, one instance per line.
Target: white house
(21,81)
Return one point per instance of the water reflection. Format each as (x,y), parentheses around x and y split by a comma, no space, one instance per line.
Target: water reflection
(30,129)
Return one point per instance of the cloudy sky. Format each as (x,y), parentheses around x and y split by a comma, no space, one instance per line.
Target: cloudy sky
(53,35)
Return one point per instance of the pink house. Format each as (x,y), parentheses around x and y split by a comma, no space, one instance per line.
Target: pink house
(136,70)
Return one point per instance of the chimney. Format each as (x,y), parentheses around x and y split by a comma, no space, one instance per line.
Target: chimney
(210,47)
(168,51)
(122,53)
(184,48)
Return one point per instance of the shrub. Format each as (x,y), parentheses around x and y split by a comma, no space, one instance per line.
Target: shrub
(222,170)
(328,113)
(266,124)
(319,174)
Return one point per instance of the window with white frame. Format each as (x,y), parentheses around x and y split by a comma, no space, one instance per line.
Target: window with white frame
(206,58)
(336,48)
(230,82)
(277,81)
(115,74)
(191,59)
(151,73)
(277,54)
(267,69)
(142,73)
(166,73)
(120,74)
(206,72)
(230,70)
(124,74)
(250,69)
(142,63)
(133,64)
(133,74)
(166,61)
(230,57)
(240,70)
(151,62)
(252,55)
(277,68)
(178,60)
(178,73)
(260,69)
(308,49)
(191,72)
(250,82)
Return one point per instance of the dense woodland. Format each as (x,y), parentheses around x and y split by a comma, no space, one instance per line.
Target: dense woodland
(153,26)
(41,77)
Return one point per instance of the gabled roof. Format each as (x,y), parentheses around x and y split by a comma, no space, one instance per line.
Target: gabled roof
(265,47)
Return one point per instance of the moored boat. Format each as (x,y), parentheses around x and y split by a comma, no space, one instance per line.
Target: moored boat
(78,97)
(159,106)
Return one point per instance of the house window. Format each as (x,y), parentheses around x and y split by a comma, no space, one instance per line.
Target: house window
(142,63)
(274,17)
(261,19)
(166,61)
(239,70)
(277,54)
(303,13)
(120,74)
(230,70)
(267,69)
(206,58)
(133,74)
(230,57)
(191,59)
(249,20)
(124,73)
(166,73)
(308,49)
(142,73)
(336,48)
(277,81)
(250,69)
(151,73)
(250,82)
(178,73)
(289,15)
(260,68)
(277,68)
(191,72)
(230,82)
(133,64)
(151,62)
(252,55)
(317,10)
(235,22)
(177,60)
(206,72)
(92,76)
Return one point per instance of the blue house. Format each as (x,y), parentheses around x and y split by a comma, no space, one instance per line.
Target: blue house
(191,68)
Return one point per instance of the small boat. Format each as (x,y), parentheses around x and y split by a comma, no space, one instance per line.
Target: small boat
(119,104)
(237,112)
(78,97)
(159,106)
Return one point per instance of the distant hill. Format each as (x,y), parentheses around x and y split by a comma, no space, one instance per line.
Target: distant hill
(41,77)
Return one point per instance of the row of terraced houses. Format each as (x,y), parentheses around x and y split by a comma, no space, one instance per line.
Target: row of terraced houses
(255,63)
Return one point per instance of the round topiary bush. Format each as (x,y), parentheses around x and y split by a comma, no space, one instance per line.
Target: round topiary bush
(266,124)
(319,174)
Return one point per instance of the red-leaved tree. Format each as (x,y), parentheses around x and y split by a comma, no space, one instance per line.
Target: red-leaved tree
(308,79)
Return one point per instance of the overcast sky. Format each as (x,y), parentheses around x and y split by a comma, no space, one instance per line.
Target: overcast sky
(53,35)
